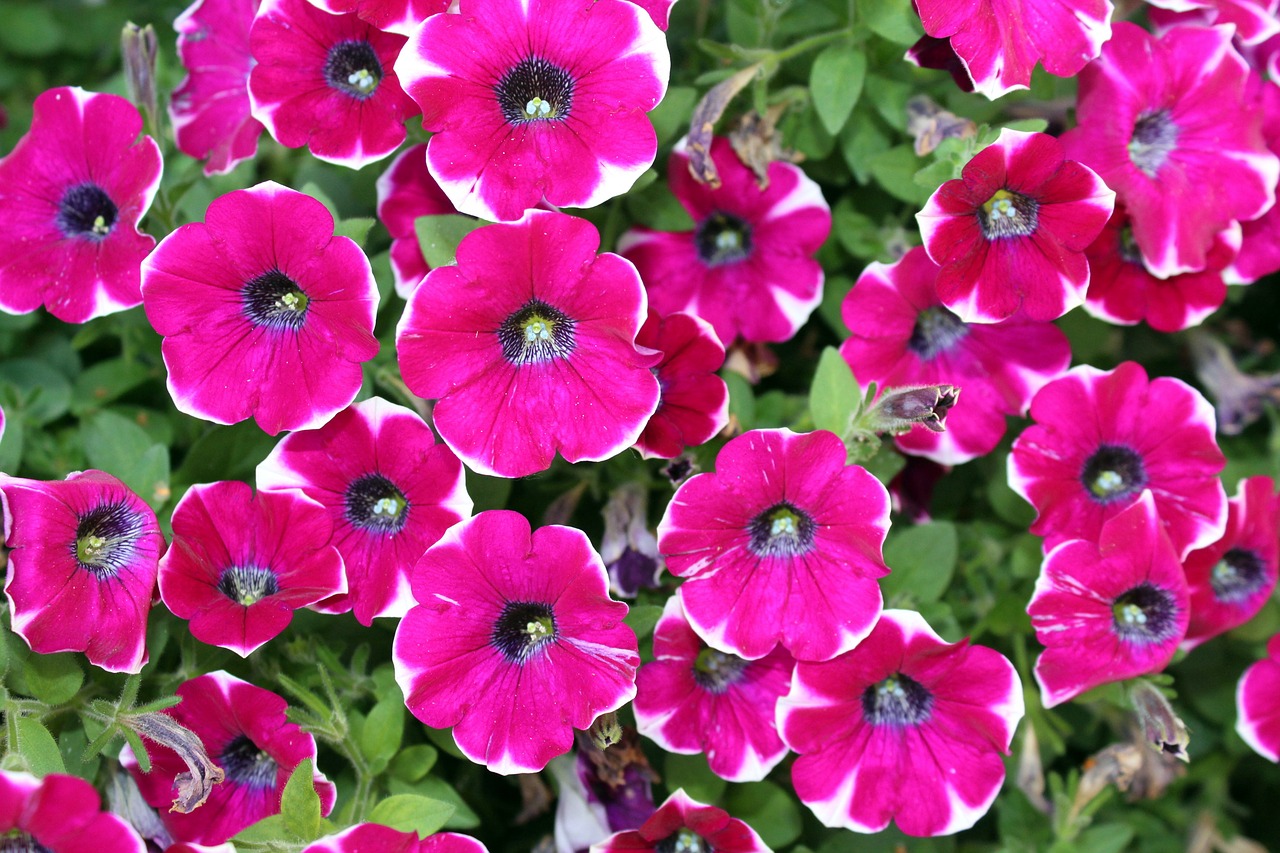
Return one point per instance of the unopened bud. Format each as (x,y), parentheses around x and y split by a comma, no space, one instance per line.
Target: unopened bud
(605,731)
(1161,727)
(900,408)
(139,47)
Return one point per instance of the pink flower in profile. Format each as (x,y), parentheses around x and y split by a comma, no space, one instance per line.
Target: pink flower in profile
(86,546)
(59,813)
(1167,123)
(1101,438)
(782,544)
(694,403)
(1000,41)
(241,563)
(407,191)
(906,727)
(390,492)
(685,825)
(393,16)
(528,345)
(747,267)
(1255,20)
(1260,238)
(244,730)
(902,335)
(1258,704)
(326,81)
(1233,578)
(536,99)
(210,108)
(1111,608)
(265,313)
(375,838)
(1010,233)
(71,194)
(515,642)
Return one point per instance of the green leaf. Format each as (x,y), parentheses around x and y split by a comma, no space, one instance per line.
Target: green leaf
(225,453)
(768,809)
(834,397)
(895,170)
(439,236)
(413,763)
(443,738)
(30,29)
(894,20)
(642,617)
(45,393)
(672,114)
(836,82)
(412,813)
(264,831)
(105,381)
(357,228)
(742,400)
(923,559)
(1105,838)
(38,748)
(1030,125)
(300,804)
(53,679)
(692,773)
(117,445)
(860,142)
(384,728)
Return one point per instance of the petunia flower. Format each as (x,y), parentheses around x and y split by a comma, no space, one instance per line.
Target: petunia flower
(244,730)
(782,544)
(390,492)
(659,11)
(628,547)
(906,727)
(407,191)
(265,313)
(375,838)
(393,16)
(1010,233)
(747,267)
(241,563)
(688,826)
(1255,20)
(694,402)
(1101,438)
(59,813)
(902,335)
(1259,254)
(528,346)
(71,194)
(1111,608)
(515,642)
(210,109)
(1258,704)
(536,99)
(327,82)
(86,546)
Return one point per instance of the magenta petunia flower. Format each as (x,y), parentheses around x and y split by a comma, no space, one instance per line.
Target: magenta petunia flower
(1255,20)
(210,108)
(244,730)
(1258,704)
(393,16)
(694,403)
(536,99)
(906,727)
(59,813)
(375,838)
(692,698)
(265,312)
(902,335)
(685,825)
(327,82)
(528,345)
(782,544)
(406,191)
(1167,123)
(1111,608)
(71,194)
(1010,234)
(1233,578)
(1260,238)
(86,546)
(659,11)
(1101,438)
(241,563)
(390,492)
(1000,41)
(516,641)
(747,267)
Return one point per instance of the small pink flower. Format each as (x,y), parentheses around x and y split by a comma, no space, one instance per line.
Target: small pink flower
(694,402)
(683,824)
(1258,704)
(375,838)
(393,16)
(407,191)
(1255,20)
(59,813)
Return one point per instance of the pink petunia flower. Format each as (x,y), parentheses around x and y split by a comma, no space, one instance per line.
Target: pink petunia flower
(747,267)
(1233,578)
(685,825)
(265,312)
(999,42)
(528,345)
(393,16)
(327,82)
(406,191)
(1101,438)
(1260,238)
(244,730)
(534,99)
(241,563)
(902,335)
(1258,704)
(782,544)
(694,403)
(71,194)
(390,492)
(1010,234)
(1111,608)
(59,813)
(375,838)
(515,642)
(906,727)
(1255,20)
(86,546)
(1167,123)
(210,108)
(659,11)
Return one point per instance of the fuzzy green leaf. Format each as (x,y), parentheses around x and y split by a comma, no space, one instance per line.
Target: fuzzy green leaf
(836,82)
(412,813)
(923,559)
(38,748)
(834,397)
(439,236)
(300,804)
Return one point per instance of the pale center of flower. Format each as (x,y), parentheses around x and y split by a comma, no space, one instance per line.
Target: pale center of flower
(247,585)
(1238,575)
(937,330)
(373,503)
(683,840)
(86,211)
(1154,138)
(782,530)
(1113,473)
(897,701)
(17,841)
(275,300)
(1008,214)
(716,671)
(522,629)
(722,238)
(534,90)
(1145,614)
(353,68)
(248,764)
(536,333)
(105,539)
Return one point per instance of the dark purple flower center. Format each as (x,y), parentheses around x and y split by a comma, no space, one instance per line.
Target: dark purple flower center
(722,238)
(275,300)
(353,68)
(17,841)
(937,330)
(716,671)
(247,764)
(373,503)
(897,701)
(105,539)
(536,333)
(523,628)
(1145,614)
(86,210)
(1154,138)
(1008,214)
(535,90)
(1238,575)
(1113,473)
(247,585)
(1128,249)
(683,840)
(782,530)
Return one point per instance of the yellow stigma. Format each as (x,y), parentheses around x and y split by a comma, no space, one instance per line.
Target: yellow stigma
(100,224)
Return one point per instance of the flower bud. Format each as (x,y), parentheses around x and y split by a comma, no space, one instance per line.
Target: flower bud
(1161,727)
(139,46)
(899,408)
